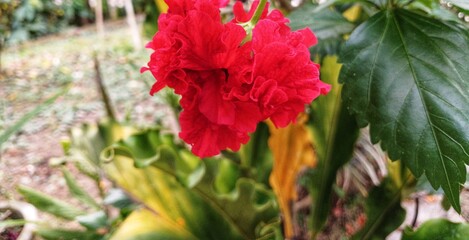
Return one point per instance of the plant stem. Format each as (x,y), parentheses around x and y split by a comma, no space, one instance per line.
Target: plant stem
(249,25)
(414,221)
(258,13)
(105,96)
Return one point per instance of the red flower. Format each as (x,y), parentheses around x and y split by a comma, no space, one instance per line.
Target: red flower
(284,78)
(228,86)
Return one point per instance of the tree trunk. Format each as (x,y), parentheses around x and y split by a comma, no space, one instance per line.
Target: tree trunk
(99,18)
(113,12)
(129,11)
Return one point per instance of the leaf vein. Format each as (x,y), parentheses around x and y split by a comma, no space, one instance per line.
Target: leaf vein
(447,58)
(452,139)
(414,75)
(446,102)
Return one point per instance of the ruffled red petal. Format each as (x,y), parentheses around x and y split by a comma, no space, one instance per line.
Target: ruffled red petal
(227,87)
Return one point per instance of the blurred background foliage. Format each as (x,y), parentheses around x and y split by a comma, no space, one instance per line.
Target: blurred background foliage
(29,19)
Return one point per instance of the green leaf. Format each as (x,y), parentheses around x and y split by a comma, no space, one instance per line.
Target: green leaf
(328,25)
(325,24)
(383,210)
(66,234)
(406,75)
(28,116)
(257,156)
(93,221)
(334,134)
(445,204)
(49,204)
(78,192)
(191,195)
(117,198)
(438,229)
(88,141)
(12,223)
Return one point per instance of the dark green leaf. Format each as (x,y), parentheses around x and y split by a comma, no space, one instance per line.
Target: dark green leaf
(407,76)
(445,204)
(424,185)
(328,25)
(325,24)
(383,210)
(93,221)
(77,191)
(257,156)
(438,229)
(49,204)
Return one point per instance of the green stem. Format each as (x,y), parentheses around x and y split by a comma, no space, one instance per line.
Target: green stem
(249,25)
(258,13)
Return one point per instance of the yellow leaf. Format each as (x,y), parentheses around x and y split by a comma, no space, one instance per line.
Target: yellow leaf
(292,151)
(353,13)
(144,224)
(162,6)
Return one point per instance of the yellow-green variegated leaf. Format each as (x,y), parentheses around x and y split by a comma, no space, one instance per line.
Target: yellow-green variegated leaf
(206,198)
(141,224)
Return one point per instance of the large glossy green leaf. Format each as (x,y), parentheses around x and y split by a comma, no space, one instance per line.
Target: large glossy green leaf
(334,134)
(383,210)
(49,204)
(328,25)
(438,229)
(407,75)
(202,198)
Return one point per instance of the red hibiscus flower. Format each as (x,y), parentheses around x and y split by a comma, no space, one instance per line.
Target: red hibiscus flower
(228,85)
(284,78)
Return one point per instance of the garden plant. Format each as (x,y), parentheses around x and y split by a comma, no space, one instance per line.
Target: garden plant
(276,102)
